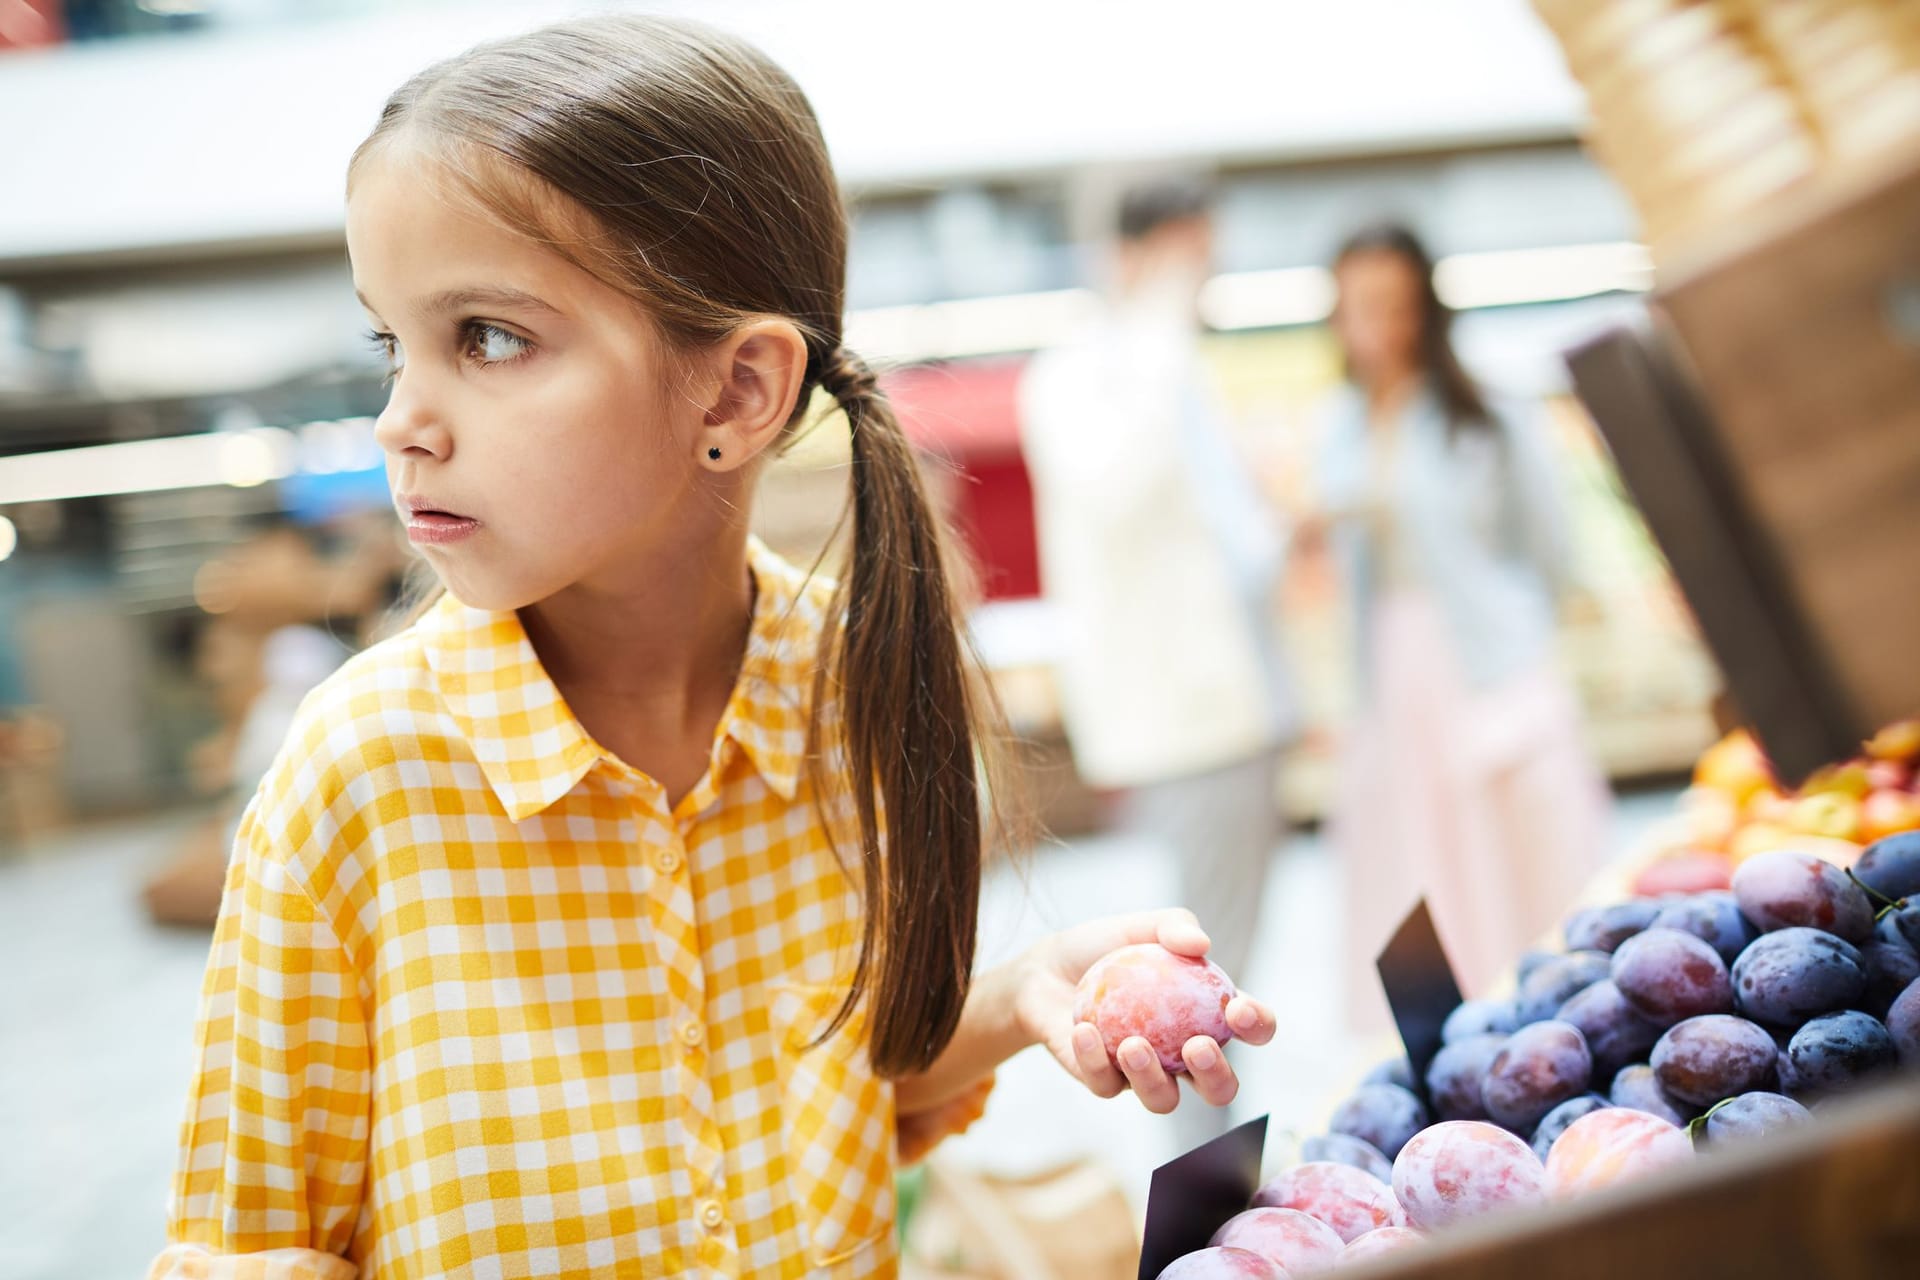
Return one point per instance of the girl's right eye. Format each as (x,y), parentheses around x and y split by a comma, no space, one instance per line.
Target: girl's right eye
(389,346)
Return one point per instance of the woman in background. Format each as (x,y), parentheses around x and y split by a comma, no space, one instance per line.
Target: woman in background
(1465,777)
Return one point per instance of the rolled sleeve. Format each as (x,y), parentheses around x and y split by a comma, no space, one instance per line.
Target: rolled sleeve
(272,1165)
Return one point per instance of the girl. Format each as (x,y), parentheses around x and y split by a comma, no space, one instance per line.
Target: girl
(618,916)
(1465,776)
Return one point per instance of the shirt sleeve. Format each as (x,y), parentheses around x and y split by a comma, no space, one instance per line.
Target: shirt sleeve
(273,1152)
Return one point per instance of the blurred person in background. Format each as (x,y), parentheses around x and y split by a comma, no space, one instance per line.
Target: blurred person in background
(1464,776)
(1161,557)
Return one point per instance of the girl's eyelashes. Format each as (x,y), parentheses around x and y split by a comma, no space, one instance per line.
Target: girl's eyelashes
(387,345)
(487,345)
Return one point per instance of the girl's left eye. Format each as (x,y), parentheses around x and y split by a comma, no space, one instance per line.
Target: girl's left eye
(490,344)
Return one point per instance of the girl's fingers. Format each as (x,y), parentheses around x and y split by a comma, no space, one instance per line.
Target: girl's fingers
(1090,1058)
(1179,932)
(1250,1020)
(1158,1091)
(1212,1078)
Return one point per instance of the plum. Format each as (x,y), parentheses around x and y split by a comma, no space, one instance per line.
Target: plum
(1669,976)
(1382,1114)
(1539,1067)
(1146,990)
(1221,1264)
(1339,1195)
(1291,1240)
(1788,888)
(1604,1148)
(1714,1056)
(1344,1148)
(1460,1169)
(1377,1243)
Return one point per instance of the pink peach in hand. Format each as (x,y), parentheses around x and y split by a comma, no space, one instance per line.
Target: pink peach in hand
(1285,1237)
(1147,990)
(1460,1169)
(1222,1264)
(1615,1145)
(1351,1201)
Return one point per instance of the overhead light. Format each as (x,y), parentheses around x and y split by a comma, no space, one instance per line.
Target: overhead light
(1514,277)
(1267,299)
(145,466)
(970,326)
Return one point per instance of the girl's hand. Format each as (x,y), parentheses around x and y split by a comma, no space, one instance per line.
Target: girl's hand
(1044,999)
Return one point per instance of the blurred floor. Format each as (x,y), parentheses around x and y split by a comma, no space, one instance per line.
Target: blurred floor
(96,1029)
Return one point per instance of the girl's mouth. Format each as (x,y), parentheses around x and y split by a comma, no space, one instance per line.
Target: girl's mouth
(429,524)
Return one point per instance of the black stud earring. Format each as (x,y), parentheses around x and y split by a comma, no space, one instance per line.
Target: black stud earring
(714,453)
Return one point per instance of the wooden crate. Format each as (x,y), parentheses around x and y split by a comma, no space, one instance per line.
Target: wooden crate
(1767,421)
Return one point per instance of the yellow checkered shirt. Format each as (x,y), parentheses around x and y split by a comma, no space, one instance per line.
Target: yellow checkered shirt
(480,1004)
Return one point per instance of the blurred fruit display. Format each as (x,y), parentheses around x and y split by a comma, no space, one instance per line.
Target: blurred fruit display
(1737,809)
(1703,1012)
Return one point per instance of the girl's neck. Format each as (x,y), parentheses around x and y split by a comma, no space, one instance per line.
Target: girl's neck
(651,659)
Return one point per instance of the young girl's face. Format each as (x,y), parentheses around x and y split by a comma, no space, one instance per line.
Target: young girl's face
(532,442)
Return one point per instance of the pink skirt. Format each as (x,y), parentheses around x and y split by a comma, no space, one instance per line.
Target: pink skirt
(1484,800)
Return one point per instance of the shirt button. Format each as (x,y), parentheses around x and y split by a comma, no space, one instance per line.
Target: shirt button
(667,861)
(691,1034)
(712,1216)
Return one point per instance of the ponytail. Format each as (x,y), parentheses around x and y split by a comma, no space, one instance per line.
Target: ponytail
(908,708)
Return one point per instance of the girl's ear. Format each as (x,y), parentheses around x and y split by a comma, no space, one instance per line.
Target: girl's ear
(757,373)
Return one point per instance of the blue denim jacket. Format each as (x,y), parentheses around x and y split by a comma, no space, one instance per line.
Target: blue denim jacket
(1480,512)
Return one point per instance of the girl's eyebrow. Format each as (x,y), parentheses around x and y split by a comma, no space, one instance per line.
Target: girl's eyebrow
(474,296)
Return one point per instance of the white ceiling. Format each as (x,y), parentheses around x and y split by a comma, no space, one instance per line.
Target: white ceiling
(231,137)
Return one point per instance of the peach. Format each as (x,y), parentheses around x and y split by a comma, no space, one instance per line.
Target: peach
(1147,990)
(1848,778)
(1887,813)
(1827,813)
(1711,817)
(1889,775)
(1735,765)
(1898,741)
(1688,871)
(1351,1201)
(1460,1169)
(1285,1237)
(1222,1264)
(1375,1243)
(1616,1145)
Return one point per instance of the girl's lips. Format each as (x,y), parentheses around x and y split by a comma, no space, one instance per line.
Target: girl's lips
(439,527)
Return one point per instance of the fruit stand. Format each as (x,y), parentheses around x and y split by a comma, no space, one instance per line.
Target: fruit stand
(1715,1070)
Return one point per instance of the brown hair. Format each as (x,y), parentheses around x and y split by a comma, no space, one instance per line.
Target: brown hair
(684,167)
(1459,396)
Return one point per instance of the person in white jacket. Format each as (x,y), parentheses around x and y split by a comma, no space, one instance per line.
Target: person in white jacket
(1160,556)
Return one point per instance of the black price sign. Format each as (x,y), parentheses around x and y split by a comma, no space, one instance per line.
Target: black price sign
(1420,988)
(1193,1196)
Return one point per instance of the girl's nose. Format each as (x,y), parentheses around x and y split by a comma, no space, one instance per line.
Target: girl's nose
(409,425)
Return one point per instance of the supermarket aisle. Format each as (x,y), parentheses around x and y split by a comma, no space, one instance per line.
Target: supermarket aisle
(98,1010)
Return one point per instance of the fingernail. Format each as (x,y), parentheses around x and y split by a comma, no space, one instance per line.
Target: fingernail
(1204,1057)
(1135,1057)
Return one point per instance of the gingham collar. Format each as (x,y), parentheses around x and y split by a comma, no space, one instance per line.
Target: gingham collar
(533,750)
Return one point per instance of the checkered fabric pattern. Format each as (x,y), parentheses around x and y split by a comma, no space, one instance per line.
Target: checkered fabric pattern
(481,1004)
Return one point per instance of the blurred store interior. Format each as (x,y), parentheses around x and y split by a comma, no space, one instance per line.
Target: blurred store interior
(194,519)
